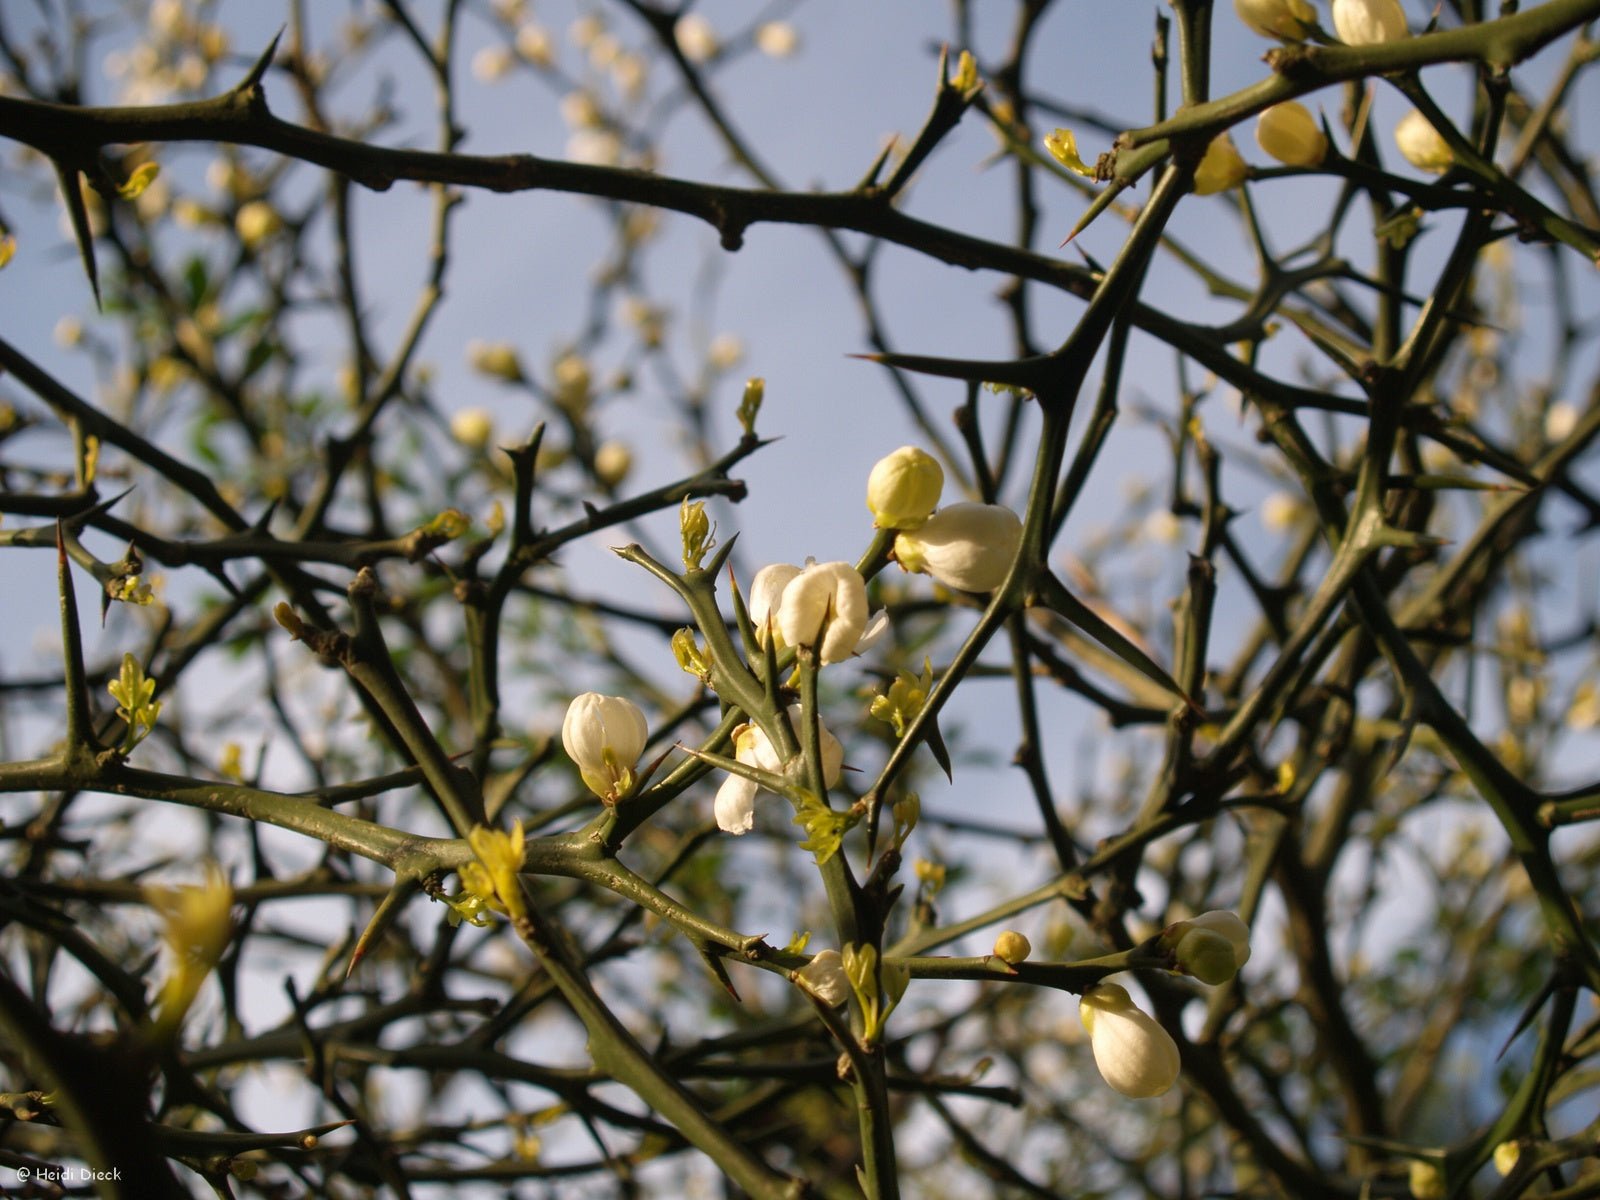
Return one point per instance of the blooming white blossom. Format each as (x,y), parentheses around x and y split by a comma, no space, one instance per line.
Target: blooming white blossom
(825,976)
(1134,1054)
(1291,135)
(903,488)
(735,806)
(1368,22)
(825,606)
(604,736)
(968,547)
(1289,20)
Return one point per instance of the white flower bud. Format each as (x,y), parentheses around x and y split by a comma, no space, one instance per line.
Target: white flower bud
(825,606)
(1288,20)
(1221,168)
(1227,924)
(903,488)
(969,547)
(472,427)
(256,221)
(604,736)
(1368,22)
(825,976)
(697,38)
(1207,956)
(1012,947)
(1422,145)
(1291,135)
(777,39)
(612,462)
(1134,1054)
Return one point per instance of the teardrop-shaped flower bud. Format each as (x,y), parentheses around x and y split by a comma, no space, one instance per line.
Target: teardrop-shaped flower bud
(1207,956)
(969,547)
(1287,20)
(903,488)
(1134,1054)
(1423,145)
(604,736)
(825,606)
(1228,924)
(1221,168)
(1291,135)
(1368,22)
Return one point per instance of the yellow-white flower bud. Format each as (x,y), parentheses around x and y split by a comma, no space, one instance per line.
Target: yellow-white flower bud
(1427,1180)
(697,38)
(903,488)
(604,736)
(1291,135)
(1368,22)
(825,606)
(1221,168)
(1506,1155)
(612,462)
(256,221)
(1207,956)
(1228,925)
(1287,20)
(1134,1054)
(1012,947)
(472,427)
(825,976)
(495,358)
(1422,145)
(969,547)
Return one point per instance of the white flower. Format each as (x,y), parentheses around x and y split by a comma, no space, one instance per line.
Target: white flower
(725,352)
(1368,22)
(969,547)
(766,592)
(1291,135)
(1134,1054)
(1559,420)
(535,44)
(1280,511)
(605,735)
(492,63)
(825,606)
(472,427)
(612,462)
(824,975)
(1289,20)
(903,488)
(696,38)
(777,39)
(1422,145)
(735,806)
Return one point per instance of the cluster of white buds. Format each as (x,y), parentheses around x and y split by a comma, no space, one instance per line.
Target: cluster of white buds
(968,547)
